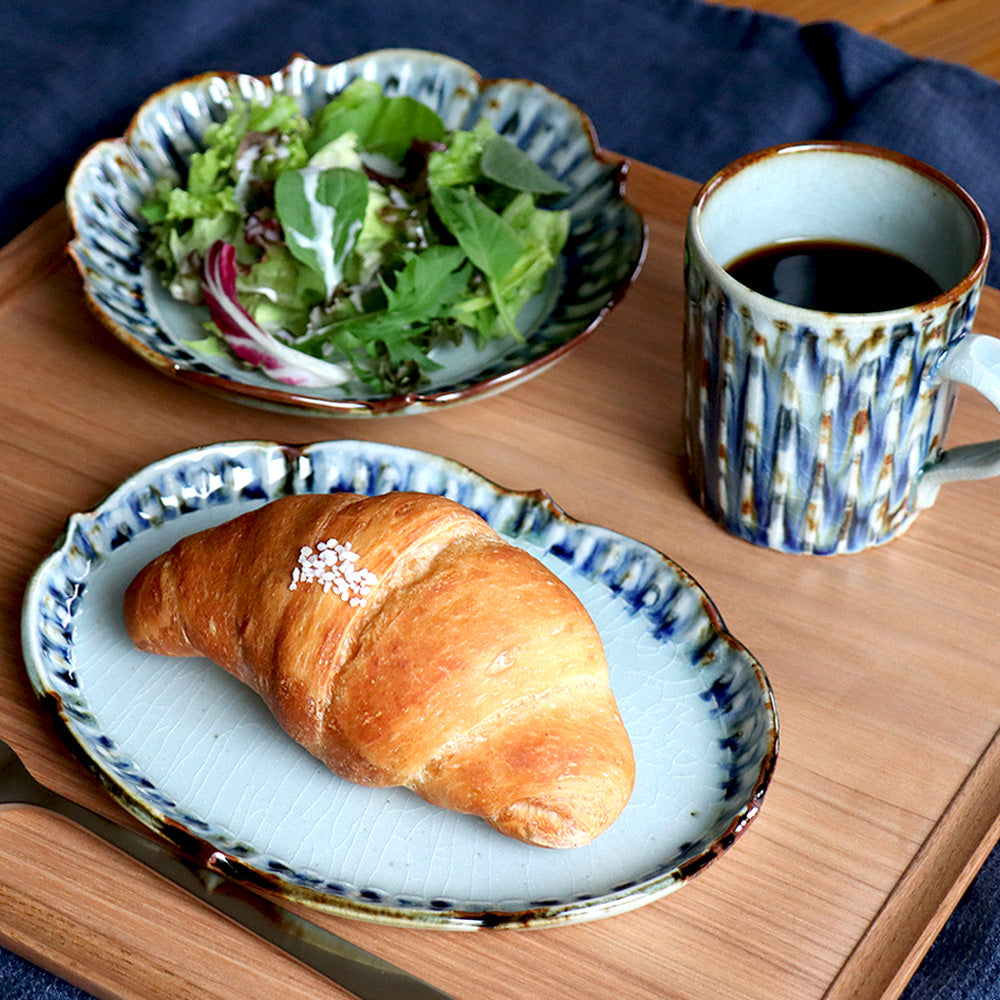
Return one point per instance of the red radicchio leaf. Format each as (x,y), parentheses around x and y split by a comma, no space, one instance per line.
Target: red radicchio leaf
(249,340)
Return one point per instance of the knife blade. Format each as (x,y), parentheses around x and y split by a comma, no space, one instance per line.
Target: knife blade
(351,967)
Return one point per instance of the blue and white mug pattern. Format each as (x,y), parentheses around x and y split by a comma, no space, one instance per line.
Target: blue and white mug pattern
(816,432)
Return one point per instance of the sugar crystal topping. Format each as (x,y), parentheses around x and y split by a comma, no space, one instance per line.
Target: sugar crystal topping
(333,565)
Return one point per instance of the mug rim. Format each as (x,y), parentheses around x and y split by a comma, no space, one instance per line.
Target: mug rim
(957,290)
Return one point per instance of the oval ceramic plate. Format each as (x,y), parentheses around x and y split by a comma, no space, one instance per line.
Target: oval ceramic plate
(187,748)
(603,254)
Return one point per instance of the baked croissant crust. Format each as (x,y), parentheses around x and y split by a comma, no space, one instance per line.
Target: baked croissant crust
(413,647)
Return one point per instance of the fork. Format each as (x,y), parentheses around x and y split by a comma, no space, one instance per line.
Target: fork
(360,972)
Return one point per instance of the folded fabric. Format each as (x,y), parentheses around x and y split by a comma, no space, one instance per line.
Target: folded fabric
(683,85)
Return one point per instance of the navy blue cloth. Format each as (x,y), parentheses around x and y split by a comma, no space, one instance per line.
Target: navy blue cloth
(683,85)
(680,84)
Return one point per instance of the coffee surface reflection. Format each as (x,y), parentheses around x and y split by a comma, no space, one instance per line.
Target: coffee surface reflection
(834,277)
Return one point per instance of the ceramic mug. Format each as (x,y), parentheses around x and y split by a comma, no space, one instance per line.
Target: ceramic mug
(808,430)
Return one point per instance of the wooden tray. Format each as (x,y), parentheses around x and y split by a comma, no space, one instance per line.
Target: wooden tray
(886,797)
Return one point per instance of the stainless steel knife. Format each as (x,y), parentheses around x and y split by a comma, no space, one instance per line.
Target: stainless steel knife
(361,973)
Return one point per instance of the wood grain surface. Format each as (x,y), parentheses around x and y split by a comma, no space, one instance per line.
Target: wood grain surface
(884,665)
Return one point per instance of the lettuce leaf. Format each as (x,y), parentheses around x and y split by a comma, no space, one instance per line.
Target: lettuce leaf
(386,125)
(321,213)
(367,234)
(505,163)
(388,347)
(489,240)
(279,292)
(249,340)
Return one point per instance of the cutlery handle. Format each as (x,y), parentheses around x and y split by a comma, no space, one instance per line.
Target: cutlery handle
(363,974)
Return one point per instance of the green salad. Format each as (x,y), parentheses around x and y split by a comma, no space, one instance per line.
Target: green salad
(348,244)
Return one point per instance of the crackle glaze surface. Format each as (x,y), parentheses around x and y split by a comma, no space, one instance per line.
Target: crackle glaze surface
(188,748)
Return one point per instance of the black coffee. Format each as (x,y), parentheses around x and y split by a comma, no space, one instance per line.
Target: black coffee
(834,277)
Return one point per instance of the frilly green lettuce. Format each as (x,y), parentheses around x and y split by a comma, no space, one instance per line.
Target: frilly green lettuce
(360,238)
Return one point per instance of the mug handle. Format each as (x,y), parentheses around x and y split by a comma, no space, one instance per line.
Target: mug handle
(974,361)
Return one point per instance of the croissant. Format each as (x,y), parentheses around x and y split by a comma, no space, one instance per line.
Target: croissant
(402,641)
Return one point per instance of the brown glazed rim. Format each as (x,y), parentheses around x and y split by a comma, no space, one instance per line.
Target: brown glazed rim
(284,398)
(960,288)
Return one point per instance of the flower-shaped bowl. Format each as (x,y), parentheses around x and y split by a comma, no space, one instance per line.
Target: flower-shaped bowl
(107,188)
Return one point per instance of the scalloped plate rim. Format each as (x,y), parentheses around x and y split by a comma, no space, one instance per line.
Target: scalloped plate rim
(286,398)
(638,893)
